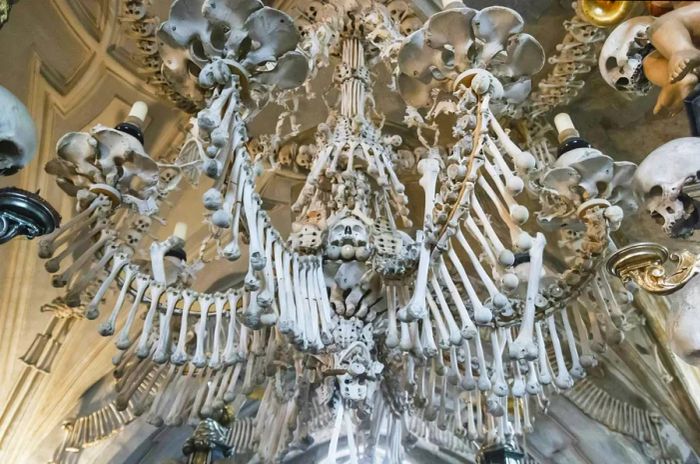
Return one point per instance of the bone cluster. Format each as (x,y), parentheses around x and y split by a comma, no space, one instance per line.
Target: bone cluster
(394,322)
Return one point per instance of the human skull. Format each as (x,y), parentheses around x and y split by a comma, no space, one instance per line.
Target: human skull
(621,57)
(348,230)
(142,224)
(660,180)
(17,134)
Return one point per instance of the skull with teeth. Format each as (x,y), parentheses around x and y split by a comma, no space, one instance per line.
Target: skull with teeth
(621,57)
(348,236)
(663,180)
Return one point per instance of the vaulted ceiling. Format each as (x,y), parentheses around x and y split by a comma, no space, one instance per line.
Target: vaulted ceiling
(73,65)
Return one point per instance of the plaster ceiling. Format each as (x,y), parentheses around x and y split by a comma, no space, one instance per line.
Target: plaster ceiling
(72,64)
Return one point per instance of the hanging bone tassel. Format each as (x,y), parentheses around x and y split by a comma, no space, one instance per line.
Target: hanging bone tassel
(498,380)
(230,349)
(143,349)
(563,379)
(50,242)
(544,376)
(119,261)
(468,329)
(523,347)
(107,327)
(180,355)
(205,301)
(160,355)
(142,282)
(220,301)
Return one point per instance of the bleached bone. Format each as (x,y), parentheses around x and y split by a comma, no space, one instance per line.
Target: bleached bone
(54,264)
(514,184)
(196,403)
(160,355)
(496,262)
(61,280)
(300,304)
(392,334)
(220,301)
(533,383)
(598,345)
(498,380)
(153,417)
(468,328)
(267,295)
(505,256)
(523,347)
(498,299)
(229,355)
(544,376)
(429,169)
(49,242)
(318,288)
(251,202)
(523,161)
(143,349)
(205,300)
(289,293)
(430,411)
(453,371)
(86,278)
(443,334)
(406,342)
(468,383)
(518,237)
(482,315)
(180,391)
(107,327)
(210,118)
(563,379)
(471,425)
(223,217)
(483,383)
(429,347)
(284,325)
(119,261)
(232,250)
(588,358)
(577,371)
(442,414)
(516,211)
(455,336)
(134,382)
(179,356)
(158,251)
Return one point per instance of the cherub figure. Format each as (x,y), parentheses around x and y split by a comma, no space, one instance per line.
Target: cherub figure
(671,65)
(663,48)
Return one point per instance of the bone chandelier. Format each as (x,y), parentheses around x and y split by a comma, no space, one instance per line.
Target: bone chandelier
(396,331)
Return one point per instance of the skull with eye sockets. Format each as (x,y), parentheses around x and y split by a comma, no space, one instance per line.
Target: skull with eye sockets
(348,237)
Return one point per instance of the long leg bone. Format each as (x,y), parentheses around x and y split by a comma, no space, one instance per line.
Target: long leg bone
(119,261)
(142,282)
(107,327)
(523,346)
(160,356)
(180,356)
(157,290)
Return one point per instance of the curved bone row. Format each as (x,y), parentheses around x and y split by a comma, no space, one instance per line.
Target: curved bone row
(141,24)
(481,178)
(576,57)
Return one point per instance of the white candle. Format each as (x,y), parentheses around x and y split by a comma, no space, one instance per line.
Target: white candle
(139,110)
(562,122)
(180,230)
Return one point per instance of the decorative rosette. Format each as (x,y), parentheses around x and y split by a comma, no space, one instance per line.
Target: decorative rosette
(460,39)
(204,41)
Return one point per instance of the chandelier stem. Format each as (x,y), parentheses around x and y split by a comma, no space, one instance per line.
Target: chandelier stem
(354,85)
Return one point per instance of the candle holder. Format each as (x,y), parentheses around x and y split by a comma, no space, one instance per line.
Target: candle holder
(644,264)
